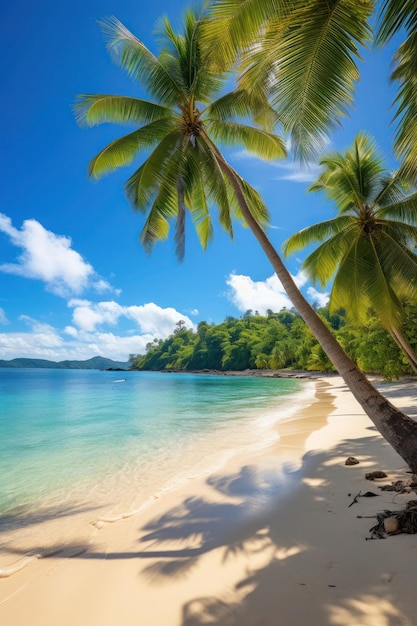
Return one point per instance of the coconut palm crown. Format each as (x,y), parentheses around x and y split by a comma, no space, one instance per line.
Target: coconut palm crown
(183,168)
(368,247)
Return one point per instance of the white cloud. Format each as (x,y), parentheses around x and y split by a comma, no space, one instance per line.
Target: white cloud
(49,258)
(316,296)
(150,318)
(82,341)
(153,319)
(88,315)
(246,293)
(3,318)
(292,170)
(297,173)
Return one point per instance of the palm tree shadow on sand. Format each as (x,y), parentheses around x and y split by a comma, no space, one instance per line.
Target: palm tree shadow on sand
(241,527)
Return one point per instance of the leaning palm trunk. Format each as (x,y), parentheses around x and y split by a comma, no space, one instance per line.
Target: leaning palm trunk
(403,344)
(396,427)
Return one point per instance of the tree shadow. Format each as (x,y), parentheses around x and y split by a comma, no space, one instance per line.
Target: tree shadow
(278,592)
(25,517)
(244,515)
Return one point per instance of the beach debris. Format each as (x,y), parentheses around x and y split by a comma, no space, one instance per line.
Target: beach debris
(367,494)
(375,474)
(399,486)
(351,461)
(395,522)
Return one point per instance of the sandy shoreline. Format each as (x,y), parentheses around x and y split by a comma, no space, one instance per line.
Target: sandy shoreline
(266,541)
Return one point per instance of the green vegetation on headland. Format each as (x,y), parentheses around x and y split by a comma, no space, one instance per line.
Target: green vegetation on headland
(279,341)
(95,363)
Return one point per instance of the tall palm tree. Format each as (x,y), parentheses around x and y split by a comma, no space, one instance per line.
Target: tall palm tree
(368,247)
(186,170)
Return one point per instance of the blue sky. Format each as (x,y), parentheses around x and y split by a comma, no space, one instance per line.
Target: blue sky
(74,281)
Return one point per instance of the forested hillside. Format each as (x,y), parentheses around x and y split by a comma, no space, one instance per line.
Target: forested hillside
(278,341)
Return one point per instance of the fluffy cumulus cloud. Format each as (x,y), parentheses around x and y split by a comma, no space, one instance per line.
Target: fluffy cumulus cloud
(84,339)
(50,258)
(150,318)
(260,296)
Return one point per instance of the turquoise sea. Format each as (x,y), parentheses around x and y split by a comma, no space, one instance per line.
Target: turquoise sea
(84,445)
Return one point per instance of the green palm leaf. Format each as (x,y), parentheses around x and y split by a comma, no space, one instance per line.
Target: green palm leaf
(232,24)
(122,151)
(140,63)
(403,210)
(141,186)
(322,264)
(91,110)
(255,140)
(317,69)
(317,232)
(394,16)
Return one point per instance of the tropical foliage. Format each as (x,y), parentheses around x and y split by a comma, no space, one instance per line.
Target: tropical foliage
(368,248)
(277,341)
(305,54)
(184,170)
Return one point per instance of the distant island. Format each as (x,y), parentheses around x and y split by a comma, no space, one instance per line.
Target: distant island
(95,363)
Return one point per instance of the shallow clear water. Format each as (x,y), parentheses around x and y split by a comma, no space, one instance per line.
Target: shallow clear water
(71,437)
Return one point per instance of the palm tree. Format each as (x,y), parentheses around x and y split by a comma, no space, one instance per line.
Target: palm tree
(186,170)
(305,53)
(368,247)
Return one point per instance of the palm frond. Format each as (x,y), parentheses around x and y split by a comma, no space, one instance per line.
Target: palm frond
(255,140)
(233,105)
(122,151)
(393,15)
(235,24)
(404,210)
(393,189)
(180,230)
(139,62)
(405,102)
(201,214)
(317,232)
(142,185)
(352,284)
(322,264)
(167,205)
(215,185)
(317,69)
(398,263)
(91,110)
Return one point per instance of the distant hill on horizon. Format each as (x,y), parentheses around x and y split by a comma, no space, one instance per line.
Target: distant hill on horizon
(95,363)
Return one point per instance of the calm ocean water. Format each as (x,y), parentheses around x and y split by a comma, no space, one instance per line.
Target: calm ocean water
(82,440)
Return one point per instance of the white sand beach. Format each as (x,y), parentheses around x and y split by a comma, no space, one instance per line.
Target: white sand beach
(265,541)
